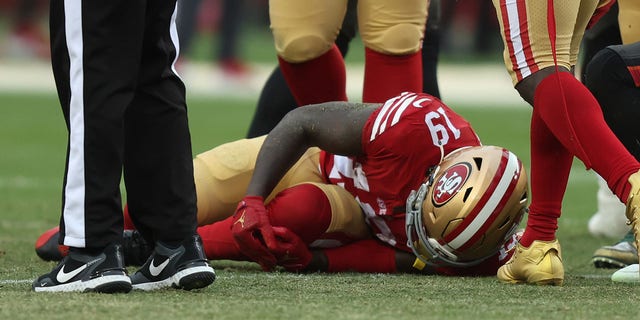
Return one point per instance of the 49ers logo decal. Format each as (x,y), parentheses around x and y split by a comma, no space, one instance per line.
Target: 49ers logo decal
(450,183)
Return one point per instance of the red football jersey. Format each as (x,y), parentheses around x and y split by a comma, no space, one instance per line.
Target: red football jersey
(401,140)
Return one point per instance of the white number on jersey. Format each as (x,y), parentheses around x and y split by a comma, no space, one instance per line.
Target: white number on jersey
(439,132)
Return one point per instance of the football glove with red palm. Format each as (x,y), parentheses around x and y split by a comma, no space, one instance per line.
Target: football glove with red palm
(292,253)
(253,233)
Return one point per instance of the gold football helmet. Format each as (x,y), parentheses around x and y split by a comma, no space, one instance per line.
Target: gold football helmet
(468,206)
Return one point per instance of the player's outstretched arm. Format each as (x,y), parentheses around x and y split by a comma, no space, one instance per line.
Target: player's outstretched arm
(335,127)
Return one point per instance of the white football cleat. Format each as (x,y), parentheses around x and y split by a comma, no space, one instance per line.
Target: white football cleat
(629,274)
(609,221)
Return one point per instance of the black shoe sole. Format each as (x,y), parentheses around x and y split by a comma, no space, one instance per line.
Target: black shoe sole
(113,287)
(196,281)
(606,263)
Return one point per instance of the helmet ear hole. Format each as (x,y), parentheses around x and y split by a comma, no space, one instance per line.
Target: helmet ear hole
(478,162)
(467,193)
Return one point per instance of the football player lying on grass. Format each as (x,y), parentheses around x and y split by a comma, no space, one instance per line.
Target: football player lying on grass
(404,186)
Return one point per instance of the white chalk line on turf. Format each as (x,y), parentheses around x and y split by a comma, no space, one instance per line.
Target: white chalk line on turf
(594,276)
(21,281)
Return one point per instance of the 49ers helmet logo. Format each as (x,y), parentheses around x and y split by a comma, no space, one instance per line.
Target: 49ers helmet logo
(450,182)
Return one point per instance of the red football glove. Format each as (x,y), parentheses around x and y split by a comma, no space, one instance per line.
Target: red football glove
(292,252)
(253,232)
(600,11)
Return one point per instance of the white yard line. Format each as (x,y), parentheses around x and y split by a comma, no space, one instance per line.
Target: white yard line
(9,281)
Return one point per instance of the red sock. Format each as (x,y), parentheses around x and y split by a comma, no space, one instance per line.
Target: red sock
(574,116)
(550,168)
(218,242)
(386,76)
(318,80)
(368,256)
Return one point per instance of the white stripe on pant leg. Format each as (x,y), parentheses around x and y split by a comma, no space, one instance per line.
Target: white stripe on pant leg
(74,192)
(513,20)
(173,31)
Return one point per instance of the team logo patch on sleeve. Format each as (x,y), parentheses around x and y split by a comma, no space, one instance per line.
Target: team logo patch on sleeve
(450,183)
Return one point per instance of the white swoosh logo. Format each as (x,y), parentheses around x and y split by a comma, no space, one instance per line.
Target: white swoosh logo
(155,270)
(63,277)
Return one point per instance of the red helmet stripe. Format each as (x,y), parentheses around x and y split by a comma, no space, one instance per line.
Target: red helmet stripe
(489,206)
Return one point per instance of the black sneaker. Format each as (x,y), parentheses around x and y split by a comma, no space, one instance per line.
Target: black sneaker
(135,248)
(79,272)
(184,267)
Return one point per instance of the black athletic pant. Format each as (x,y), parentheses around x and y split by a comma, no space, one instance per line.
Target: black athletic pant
(605,32)
(608,77)
(125,112)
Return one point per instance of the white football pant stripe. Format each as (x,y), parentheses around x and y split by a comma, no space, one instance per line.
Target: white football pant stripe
(74,192)
(513,20)
(173,31)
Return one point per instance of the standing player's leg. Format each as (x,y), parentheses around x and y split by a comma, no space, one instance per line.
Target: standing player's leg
(85,39)
(392,33)
(308,57)
(276,100)
(566,121)
(158,167)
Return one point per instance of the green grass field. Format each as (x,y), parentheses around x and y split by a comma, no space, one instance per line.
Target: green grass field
(32,148)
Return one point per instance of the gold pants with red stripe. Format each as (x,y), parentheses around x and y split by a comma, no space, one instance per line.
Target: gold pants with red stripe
(530,30)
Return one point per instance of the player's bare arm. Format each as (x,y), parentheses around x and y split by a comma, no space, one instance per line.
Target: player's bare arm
(335,127)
